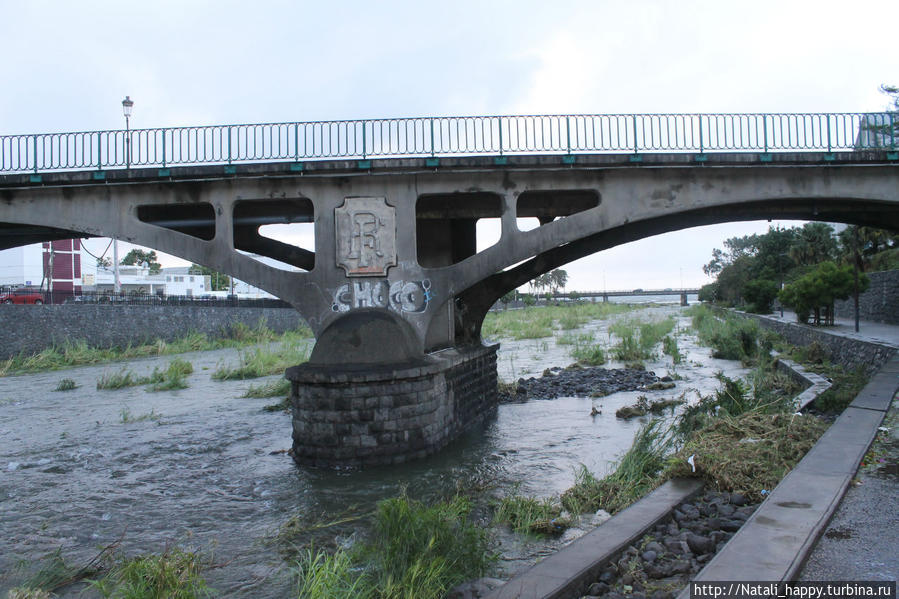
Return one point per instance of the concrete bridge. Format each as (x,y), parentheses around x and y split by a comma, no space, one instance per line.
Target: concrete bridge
(394,288)
(605,295)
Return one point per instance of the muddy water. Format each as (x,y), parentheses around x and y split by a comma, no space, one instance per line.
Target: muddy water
(207,469)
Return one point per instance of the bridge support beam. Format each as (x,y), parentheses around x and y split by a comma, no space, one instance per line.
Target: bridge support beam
(354,417)
(683,299)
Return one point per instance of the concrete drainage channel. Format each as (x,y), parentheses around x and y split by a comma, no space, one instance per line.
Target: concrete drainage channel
(773,543)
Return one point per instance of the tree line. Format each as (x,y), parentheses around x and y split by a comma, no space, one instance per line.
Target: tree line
(806,268)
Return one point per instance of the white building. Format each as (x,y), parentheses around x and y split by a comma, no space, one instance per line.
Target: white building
(31,265)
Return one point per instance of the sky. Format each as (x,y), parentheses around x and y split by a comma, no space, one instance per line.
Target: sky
(197,62)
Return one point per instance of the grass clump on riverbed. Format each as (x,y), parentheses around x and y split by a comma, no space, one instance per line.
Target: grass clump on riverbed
(637,340)
(730,337)
(415,551)
(263,361)
(66,385)
(172,378)
(531,515)
(636,474)
(535,322)
(80,353)
(173,574)
(279,388)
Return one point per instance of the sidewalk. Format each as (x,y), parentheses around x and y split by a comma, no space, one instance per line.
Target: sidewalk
(886,334)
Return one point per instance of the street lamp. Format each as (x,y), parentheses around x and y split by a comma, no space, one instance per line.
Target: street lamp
(127,105)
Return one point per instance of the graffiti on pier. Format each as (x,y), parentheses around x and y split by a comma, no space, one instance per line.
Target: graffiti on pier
(400,296)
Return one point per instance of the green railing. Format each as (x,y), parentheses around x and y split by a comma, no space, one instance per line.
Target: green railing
(447,136)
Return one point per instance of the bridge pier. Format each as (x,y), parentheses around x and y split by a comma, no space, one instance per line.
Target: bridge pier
(683,299)
(352,417)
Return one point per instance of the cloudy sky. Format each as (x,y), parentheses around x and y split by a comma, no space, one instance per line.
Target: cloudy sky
(69,64)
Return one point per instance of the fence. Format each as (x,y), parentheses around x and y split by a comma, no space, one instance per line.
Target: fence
(447,136)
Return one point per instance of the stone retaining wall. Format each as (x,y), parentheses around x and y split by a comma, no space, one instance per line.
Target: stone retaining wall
(880,303)
(846,351)
(353,418)
(31,329)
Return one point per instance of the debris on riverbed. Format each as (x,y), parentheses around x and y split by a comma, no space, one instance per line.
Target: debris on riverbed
(577,382)
(644,406)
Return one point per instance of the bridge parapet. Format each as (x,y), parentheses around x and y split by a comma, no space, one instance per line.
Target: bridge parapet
(448,136)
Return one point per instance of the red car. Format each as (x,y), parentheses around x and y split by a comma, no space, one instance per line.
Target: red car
(22,296)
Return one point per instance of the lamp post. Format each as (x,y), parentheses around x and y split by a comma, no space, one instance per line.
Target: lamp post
(127,105)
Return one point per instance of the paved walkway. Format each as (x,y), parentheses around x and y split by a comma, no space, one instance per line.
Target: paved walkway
(860,541)
(887,334)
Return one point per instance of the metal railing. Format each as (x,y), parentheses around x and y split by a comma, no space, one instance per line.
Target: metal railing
(447,136)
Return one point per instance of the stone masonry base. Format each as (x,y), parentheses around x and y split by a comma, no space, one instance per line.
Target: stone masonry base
(346,418)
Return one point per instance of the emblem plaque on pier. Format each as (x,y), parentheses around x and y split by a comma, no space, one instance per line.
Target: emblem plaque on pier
(365,229)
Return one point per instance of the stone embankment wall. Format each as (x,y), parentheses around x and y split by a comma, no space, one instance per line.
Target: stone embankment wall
(846,351)
(354,418)
(31,329)
(880,303)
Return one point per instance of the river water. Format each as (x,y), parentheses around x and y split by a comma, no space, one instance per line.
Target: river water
(206,469)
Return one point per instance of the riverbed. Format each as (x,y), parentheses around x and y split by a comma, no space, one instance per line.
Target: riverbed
(207,469)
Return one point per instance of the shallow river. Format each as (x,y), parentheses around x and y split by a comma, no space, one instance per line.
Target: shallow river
(207,469)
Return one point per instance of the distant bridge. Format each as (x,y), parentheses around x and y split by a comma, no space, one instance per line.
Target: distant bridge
(623,292)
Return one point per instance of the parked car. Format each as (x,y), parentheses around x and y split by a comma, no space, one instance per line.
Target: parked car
(22,296)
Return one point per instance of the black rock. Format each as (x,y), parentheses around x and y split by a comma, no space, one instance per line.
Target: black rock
(699,544)
(680,567)
(598,588)
(663,595)
(607,576)
(731,525)
(649,556)
(748,510)
(737,499)
(726,510)
(658,570)
(655,546)
(627,579)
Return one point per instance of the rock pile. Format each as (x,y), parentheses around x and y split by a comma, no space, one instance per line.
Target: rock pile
(672,552)
(580,382)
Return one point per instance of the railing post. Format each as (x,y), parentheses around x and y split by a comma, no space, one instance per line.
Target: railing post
(432,137)
(892,133)
(363,141)
(701,145)
(296,142)
(34,151)
(500,135)
(568,132)
(99,152)
(828,133)
(634,130)
(229,144)
(765,130)
(163,148)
